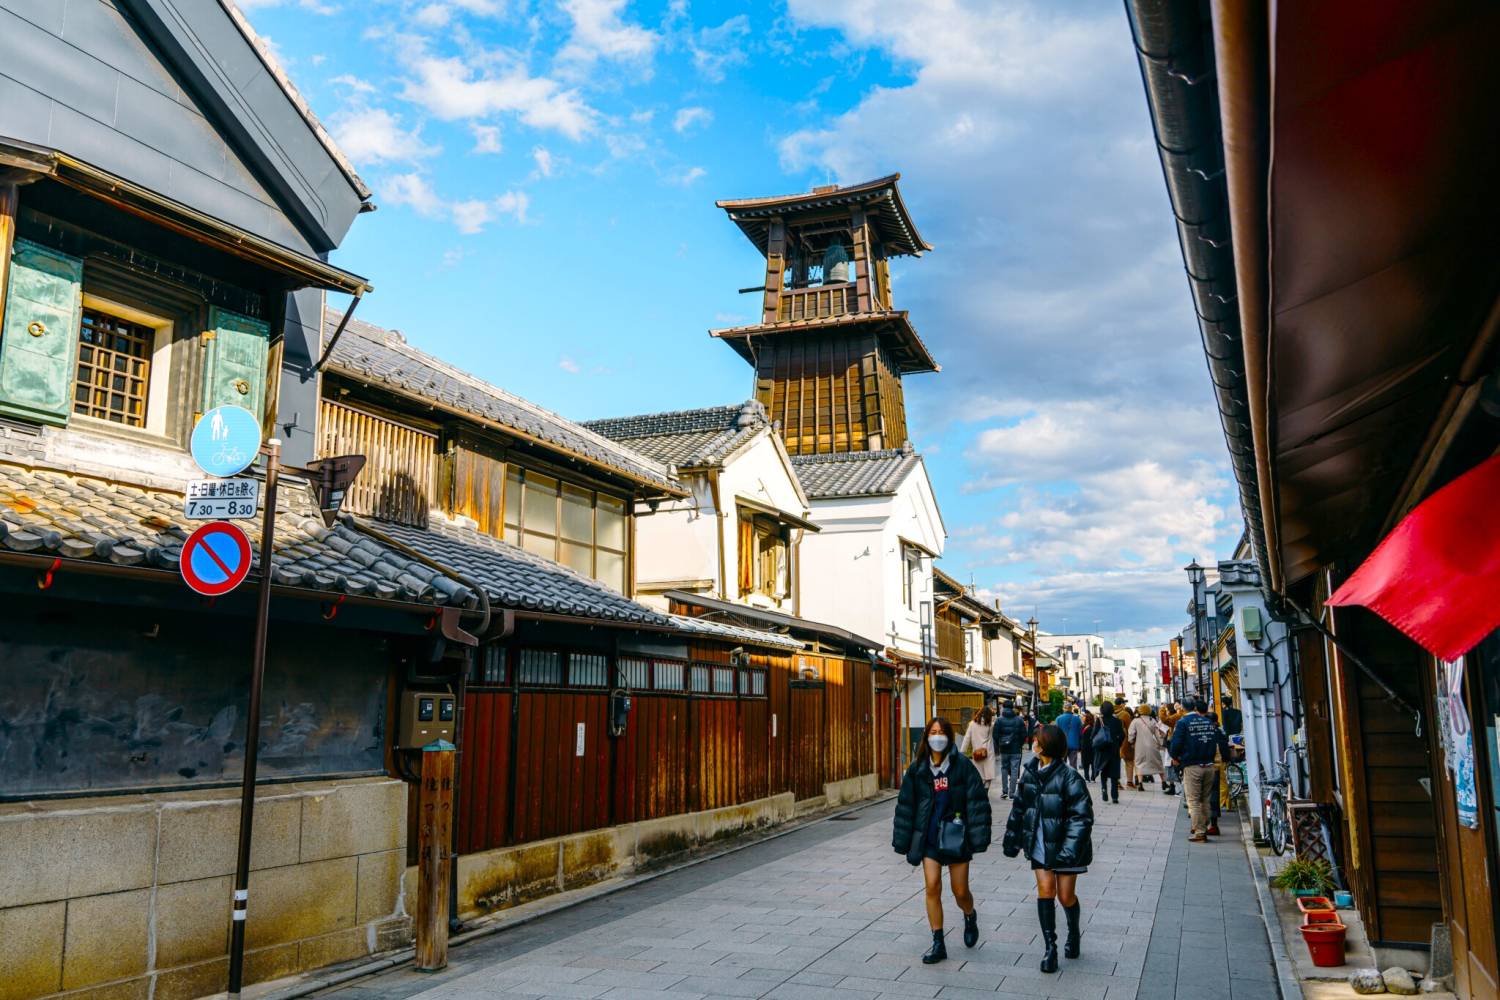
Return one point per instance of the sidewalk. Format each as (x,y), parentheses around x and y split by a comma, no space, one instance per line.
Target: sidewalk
(831,911)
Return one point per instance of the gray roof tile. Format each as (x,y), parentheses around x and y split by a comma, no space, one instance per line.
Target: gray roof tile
(855,473)
(687,438)
(378,356)
(55,513)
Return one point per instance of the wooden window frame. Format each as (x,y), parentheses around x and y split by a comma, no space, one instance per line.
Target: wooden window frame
(159,377)
(517,477)
(754,530)
(911,565)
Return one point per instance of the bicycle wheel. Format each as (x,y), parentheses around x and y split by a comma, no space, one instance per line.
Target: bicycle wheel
(1277,830)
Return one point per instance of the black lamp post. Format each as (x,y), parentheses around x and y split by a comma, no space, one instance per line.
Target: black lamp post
(1036,669)
(1197,576)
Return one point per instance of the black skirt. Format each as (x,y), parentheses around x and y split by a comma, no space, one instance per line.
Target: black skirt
(1038,866)
(933,854)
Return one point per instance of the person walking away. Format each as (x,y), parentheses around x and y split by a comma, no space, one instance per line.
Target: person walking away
(1052,823)
(942,820)
(1127,752)
(979,744)
(1072,727)
(1010,735)
(1234,719)
(1195,741)
(1168,717)
(1145,742)
(1086,744)
(1107,742)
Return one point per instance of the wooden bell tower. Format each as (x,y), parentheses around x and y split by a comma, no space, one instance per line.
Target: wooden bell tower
(830,350)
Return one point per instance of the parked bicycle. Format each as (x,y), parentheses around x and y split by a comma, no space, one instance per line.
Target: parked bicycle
(1237,782)
(1278,797)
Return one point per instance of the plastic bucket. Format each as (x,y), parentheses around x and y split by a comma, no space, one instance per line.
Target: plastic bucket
(1325,943)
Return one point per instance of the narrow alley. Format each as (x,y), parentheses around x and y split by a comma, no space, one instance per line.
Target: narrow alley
(830,911)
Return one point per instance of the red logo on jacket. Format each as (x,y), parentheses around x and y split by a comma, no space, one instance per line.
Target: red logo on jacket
(940,783)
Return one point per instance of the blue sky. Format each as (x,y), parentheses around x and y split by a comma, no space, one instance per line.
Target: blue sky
(545,175)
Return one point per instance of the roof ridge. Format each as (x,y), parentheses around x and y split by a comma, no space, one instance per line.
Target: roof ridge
(852,456)
(727,409)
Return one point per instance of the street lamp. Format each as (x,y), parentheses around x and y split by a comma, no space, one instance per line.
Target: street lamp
(1036,670)
(1197,576)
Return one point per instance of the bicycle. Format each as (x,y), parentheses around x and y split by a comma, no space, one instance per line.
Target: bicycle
(1237,782)
(1278,795)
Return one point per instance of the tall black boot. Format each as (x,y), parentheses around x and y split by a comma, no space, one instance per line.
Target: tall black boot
(938,951)
(971,928)
(1071,942)
(1046,912)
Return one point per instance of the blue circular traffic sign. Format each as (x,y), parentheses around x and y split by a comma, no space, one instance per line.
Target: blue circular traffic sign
(226,440)
(215,559)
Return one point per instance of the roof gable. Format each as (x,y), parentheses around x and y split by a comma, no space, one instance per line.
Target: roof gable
(855,473)
(688,438)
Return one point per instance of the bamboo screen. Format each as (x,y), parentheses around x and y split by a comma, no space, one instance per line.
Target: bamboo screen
(397,481)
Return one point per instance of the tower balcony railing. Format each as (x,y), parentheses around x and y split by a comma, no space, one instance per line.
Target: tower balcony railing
(816,302)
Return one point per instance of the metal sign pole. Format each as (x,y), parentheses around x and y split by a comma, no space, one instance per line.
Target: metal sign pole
(252,725)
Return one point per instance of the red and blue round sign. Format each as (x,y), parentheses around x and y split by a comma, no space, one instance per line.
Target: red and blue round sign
(215,559)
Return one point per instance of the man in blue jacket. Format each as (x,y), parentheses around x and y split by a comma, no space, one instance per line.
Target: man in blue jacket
(1072,727)
(1196,739)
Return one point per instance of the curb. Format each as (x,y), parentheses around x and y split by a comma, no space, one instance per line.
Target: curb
(509,919)
(1287,983)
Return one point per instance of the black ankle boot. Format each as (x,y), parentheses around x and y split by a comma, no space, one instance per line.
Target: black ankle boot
(937,952)
(1071,942)
(971,929)
(1046,913)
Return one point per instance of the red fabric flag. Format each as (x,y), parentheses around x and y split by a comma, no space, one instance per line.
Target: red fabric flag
(1436,577)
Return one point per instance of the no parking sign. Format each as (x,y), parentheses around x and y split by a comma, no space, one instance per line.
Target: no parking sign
(215,559)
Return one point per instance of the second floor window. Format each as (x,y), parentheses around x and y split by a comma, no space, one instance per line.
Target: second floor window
(764,558)
(113,380)
(580,528)
(911,575)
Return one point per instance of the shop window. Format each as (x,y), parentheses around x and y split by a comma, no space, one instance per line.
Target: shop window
(580,528)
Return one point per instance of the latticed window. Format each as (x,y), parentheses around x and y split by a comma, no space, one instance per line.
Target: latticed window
(723,680)
(635,673)
(541,666)
(753,682)
(669,676)
(700,679)
(588,669)
(490,666)
(114,369)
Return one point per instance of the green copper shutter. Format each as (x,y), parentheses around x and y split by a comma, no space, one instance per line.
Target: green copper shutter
(39,338)
(234,372)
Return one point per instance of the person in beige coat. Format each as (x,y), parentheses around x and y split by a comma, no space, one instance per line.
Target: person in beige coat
(1146,737)
(979,744)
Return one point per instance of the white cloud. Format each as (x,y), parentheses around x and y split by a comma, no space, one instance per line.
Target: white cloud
(687,118)
(543,159)
(375,135)
(433,15)
(684,178)
(486,138)
(716,49)
(455,88)
(568,365)
(599,32)
(469,215)
(353,83)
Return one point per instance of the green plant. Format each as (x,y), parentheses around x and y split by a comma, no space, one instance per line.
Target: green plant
(1299,874)
(1050,711)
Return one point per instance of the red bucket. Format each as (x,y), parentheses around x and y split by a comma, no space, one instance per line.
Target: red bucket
(1325,943)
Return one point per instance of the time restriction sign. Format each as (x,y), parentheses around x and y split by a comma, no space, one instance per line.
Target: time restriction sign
(221,499)
(215,559)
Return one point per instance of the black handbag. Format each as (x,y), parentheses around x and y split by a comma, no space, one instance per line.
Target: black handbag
(1102,738)
(951,836)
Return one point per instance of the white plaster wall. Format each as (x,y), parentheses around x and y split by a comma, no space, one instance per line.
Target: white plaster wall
(678,542)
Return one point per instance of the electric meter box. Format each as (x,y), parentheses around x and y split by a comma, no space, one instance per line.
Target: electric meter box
(425,716)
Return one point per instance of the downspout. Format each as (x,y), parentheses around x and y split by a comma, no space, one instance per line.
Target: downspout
(713,489)
(1241,47)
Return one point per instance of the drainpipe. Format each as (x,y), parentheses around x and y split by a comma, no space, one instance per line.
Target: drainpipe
(719,515)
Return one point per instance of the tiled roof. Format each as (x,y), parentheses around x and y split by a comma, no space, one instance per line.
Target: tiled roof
(371,354)
(687,438)
(855,473)
(68,516)
(517,579)
(734,633)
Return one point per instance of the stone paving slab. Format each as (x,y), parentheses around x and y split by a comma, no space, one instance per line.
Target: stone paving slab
(829,911)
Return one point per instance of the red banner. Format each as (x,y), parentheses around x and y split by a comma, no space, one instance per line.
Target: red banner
(1166,667)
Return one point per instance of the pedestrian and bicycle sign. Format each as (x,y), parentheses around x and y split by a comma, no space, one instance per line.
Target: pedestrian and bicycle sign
(215,559)
(226,440)
(221,499)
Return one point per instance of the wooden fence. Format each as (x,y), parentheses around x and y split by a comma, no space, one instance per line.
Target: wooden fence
(539,762)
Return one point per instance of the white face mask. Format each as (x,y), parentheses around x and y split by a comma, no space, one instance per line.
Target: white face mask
(938,742)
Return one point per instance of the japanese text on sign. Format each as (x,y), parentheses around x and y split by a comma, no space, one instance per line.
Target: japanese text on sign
(220,499)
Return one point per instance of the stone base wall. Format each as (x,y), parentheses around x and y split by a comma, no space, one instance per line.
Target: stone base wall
(128,897)
(855,789)
(507,876)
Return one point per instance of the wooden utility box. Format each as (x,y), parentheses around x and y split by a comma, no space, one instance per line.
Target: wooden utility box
(425,716)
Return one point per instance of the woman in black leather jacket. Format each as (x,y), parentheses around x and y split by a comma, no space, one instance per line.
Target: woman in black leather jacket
(1052,823)
(940,786)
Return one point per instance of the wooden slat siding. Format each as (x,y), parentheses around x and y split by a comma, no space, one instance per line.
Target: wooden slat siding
(950,637)
(884,764)
(813,386)
(400,462)
(818,302)
(778,676)
(476,472)
(892,400)
(861,261)
(808,747)
(485,782)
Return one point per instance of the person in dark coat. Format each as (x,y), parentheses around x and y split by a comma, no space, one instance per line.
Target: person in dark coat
(1107,741)
(1086,744)
(941,787)
(1011,737)
(1052,823)
(1072,727)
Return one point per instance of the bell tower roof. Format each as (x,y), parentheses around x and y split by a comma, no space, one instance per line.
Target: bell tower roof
(880,199)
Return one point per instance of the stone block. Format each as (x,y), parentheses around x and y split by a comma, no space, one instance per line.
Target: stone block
(65,854)
(192,921)
(192,981)
(31,950)
(592,857)
(107,937)
(130,989)
(277,962)
(330,949)
(364,817)
(301,901)
(507,876)
(393,933)
(379,885)
(199,839)
(664,837)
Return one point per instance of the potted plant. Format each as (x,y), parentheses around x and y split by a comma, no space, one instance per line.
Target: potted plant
(1325,943)
(1304,878)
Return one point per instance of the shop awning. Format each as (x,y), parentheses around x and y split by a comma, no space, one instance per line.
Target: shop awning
(1436,577)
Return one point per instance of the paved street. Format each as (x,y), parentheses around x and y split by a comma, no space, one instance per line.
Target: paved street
(830,910)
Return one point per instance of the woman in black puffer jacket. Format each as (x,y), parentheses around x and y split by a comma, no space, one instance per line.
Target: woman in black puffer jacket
(1052,823)
(939,787)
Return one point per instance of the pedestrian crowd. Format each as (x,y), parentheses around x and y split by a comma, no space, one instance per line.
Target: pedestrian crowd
(943,811)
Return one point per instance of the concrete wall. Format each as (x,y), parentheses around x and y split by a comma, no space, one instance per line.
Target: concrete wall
(128,897)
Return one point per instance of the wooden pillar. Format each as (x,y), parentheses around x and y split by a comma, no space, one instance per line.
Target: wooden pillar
(434,834)
(775,264)
(8,198)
